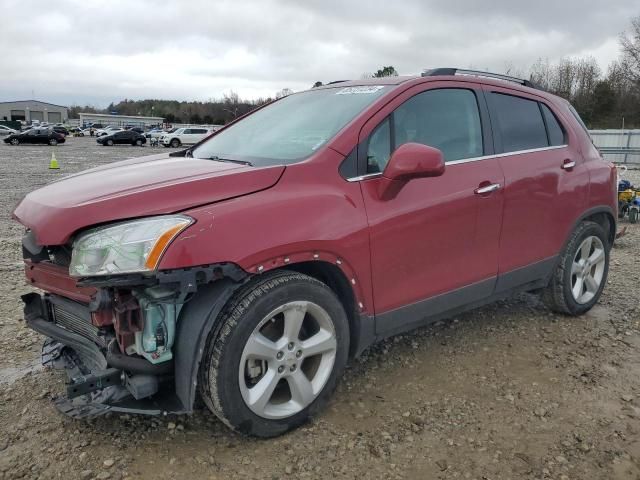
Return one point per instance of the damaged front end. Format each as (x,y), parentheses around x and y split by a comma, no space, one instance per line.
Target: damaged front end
(117,336)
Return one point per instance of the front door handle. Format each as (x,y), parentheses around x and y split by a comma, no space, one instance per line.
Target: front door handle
(568,164)
(487,189)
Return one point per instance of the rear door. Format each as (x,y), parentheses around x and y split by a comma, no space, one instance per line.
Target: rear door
(435,245)
(546,182)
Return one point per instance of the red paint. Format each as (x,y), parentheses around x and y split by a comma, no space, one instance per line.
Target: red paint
(134,188)
(433,235)
(55,279)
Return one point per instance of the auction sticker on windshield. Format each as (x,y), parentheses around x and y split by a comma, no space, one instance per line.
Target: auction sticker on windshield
(362,89)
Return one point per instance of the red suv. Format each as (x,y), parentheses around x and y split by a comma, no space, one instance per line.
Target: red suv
(252,266)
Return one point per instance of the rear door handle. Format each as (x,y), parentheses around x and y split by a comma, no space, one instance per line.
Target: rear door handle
(487,189)
(568,164)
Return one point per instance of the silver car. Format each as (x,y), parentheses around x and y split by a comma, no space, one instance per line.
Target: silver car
(4,130)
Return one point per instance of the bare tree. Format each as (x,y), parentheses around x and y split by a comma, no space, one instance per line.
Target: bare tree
(284,92)
(630,43)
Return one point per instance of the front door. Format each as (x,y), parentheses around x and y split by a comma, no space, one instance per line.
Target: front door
(435,245)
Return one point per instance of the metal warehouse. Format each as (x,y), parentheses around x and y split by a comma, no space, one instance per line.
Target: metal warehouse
(119,120)
(32,110)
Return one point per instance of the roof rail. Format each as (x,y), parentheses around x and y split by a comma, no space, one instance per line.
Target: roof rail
(462,71)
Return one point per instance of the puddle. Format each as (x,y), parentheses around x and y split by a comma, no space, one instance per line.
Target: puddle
(9,375)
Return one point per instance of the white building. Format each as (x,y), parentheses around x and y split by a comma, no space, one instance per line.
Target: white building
(33,110)
(105,119)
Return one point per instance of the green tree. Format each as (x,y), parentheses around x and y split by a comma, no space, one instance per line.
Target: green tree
(386,72)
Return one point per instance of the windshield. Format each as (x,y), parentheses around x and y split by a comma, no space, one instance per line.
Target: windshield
(290,129)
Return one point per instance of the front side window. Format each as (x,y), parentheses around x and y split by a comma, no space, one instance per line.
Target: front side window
(292,128)
(447,119)
(519,121)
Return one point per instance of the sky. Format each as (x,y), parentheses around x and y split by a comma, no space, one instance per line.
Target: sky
(94,52)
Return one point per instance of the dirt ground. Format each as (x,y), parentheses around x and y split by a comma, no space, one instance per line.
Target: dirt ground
(509,391)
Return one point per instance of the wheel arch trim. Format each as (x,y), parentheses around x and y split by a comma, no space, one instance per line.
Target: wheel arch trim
(592,212)
(198,319)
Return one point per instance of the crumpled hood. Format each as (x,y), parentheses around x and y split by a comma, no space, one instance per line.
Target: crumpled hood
(153,185)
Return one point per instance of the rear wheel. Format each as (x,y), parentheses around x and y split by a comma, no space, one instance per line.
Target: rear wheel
(633,215)
(277,356)
(15,141)
(53,142)
(581,274)
(175,143)
(138,142)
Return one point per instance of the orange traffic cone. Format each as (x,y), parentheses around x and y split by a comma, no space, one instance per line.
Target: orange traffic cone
(53,164)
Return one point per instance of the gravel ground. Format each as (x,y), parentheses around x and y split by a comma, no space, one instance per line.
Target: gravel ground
(508,391)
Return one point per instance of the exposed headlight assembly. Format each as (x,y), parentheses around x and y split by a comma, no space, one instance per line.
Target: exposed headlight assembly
(127,247)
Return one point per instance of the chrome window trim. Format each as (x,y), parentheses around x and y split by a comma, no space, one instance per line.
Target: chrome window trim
(364,177)
(468,160)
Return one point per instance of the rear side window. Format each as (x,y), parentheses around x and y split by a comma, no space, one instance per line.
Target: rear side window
(519,121)
(556,133)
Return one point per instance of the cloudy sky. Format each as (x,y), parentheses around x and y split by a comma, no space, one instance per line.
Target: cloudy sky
(79,52)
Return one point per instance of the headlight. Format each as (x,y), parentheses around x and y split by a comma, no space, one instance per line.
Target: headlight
(134,246)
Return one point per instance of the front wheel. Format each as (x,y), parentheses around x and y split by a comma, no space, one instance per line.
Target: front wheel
(15,141)
(633,215)
(109,142)
(581,274)
(282,344)
(175,143)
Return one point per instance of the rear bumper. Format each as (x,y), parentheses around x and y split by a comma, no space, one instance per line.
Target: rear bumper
(99,380)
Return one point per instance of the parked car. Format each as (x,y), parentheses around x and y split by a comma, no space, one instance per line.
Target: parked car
(153,131)
(108,131)
(123,137)
(184,136)
(159,132)
(35,135)
(61,130)
(4,130)
(251,267)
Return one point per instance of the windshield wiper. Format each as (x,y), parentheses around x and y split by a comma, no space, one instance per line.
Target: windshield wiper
(215,158)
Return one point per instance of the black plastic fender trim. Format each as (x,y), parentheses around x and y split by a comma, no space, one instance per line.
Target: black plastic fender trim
(197,319)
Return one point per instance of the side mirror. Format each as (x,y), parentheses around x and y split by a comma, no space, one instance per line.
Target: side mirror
(409,161)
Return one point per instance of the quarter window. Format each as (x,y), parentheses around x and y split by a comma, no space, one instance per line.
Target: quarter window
(379,147)
(519,122)
(446,119)
(556,133)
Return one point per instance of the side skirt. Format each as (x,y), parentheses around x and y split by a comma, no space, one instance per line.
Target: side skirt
(424,312)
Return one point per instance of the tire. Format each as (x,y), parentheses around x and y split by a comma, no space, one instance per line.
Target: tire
(229,373)
(570,291)
(53,142)
(633,215)
(175,143)
(138,143)
(109,142)
(15,141)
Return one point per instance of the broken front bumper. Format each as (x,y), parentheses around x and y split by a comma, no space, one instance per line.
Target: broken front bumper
(97,382)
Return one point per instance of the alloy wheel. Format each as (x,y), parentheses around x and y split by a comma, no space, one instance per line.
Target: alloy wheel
(587,269)
(287,360)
